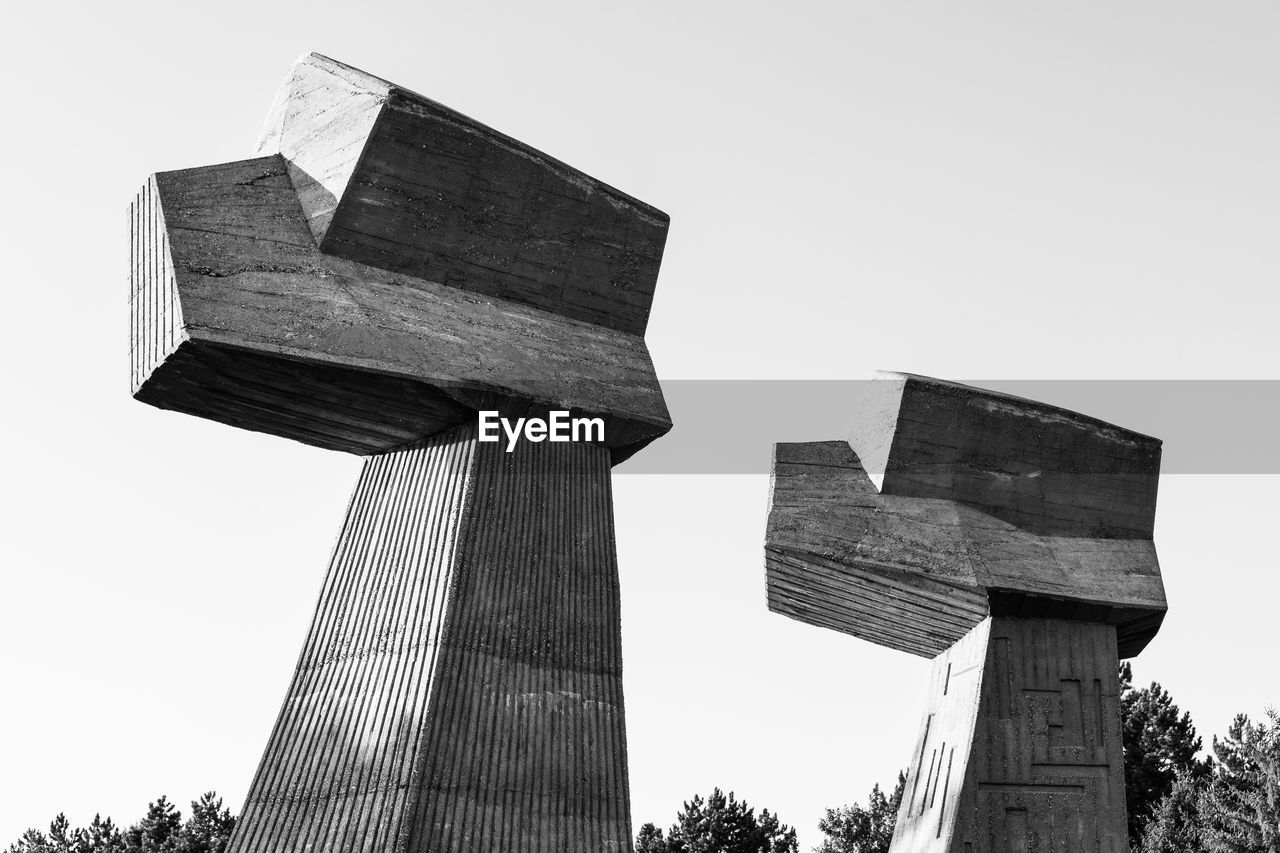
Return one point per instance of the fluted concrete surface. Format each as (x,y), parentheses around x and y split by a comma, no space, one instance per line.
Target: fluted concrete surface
(155,313)
(460,688)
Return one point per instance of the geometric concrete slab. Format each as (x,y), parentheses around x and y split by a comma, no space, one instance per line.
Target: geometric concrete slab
(238,317)
(389,178)
(906,567)
(916,574)
(1039,467)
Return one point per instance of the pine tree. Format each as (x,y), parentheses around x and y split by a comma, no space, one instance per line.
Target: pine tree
(650,840)
(103,836)
(719,824)
(1160,742)
(1175,825)
(62,837)
(32,841)
(162,830)
(159,831)
(209,828)
(1240,807)
(854,829)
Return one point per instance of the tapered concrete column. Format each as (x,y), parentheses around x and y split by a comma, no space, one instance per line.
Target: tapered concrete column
(461,684)
(1019,746)
(1010,541)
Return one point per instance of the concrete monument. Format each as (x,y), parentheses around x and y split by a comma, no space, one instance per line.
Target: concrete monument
(1009,541)
(381,271)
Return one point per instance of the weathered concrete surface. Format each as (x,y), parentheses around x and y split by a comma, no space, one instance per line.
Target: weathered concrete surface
(395,180)
(916,574)
(1039,467)
(238,317)
(461,684)
(1019,748)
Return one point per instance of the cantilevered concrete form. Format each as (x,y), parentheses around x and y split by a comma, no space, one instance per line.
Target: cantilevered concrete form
(1010,541)
(380,270)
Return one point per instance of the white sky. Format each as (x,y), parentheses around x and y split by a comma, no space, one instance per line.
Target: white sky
(981,189)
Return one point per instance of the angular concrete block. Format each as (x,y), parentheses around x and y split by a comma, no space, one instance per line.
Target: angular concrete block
(391,179)
(953,532)
(1040,467)
(238,317)
(916,574)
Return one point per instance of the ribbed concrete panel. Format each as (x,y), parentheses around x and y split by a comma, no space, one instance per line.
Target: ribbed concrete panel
(1024,754)
(527,750)
(338,768)
(461,685)
(903,612)
(155,315)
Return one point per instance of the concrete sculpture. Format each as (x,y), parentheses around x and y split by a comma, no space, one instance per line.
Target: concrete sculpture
(380,271)
(1010,541)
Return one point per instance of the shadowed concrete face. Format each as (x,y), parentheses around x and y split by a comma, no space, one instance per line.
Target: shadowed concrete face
(1011,542)
(382,270)
(391,179)
(1042,468)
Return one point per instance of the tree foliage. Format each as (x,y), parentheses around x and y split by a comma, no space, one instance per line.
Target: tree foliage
(161,830)
(1160,744)
(1174,826)
(650,840)
(1240,807)
(1234,808)
(855,829)
(719,824)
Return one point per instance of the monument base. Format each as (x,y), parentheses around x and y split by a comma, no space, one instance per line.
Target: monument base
(461,685)
(1020,749)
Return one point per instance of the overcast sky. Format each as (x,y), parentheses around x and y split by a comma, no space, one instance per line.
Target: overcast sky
(998,190)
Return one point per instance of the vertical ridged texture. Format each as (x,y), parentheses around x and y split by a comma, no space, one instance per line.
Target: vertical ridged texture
(155,315)
(1021,755)
(526,750)
(460,688)
(336,772)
